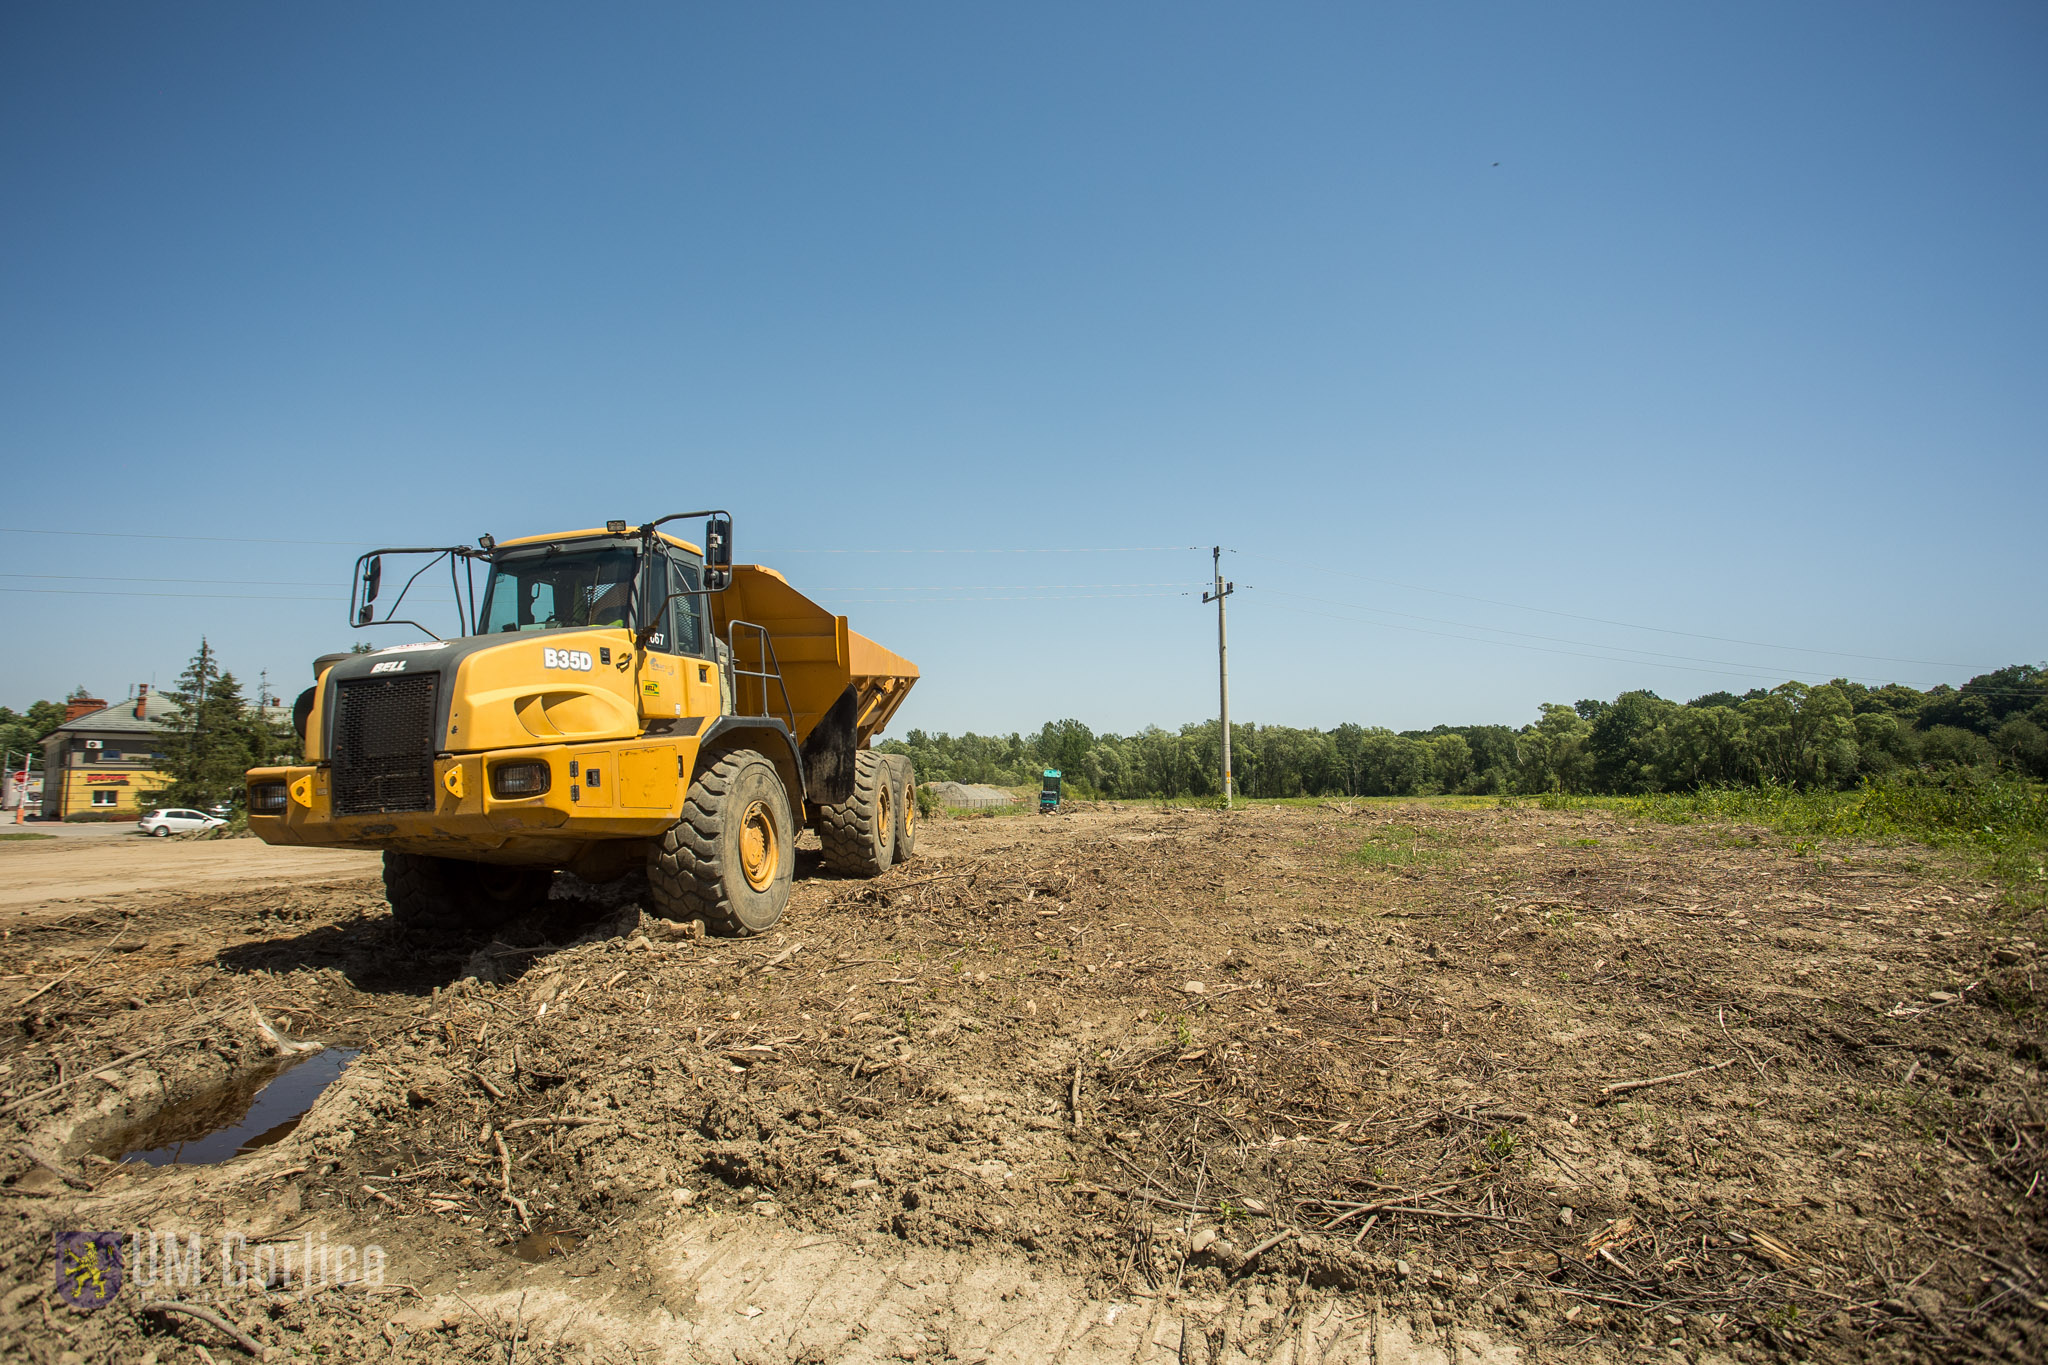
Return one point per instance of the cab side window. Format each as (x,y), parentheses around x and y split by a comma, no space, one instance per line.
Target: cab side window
(681,627)
(663,637)
(687,612)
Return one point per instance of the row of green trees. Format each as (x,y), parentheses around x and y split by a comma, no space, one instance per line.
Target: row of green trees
(1830,735)
(212,737)
(22,732)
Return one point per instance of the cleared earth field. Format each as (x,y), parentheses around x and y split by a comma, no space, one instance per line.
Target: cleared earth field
(1355,1081)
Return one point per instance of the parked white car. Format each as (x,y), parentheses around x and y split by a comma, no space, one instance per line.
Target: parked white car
(167,822)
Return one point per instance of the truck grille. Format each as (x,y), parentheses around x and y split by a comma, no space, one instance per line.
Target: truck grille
(384,744)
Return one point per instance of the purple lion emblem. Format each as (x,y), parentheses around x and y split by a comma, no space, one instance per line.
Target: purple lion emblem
(88,1268)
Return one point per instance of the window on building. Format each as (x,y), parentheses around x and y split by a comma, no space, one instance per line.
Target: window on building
(110,755)
(106,798)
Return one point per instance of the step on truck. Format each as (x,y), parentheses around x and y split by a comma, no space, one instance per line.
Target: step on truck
(614,700)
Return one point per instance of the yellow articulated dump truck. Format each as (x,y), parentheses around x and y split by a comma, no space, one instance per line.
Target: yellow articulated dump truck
(615,700)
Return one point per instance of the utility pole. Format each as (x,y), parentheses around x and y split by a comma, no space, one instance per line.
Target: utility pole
(1220,591)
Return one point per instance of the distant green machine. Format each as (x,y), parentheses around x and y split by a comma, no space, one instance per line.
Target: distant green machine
(1049,794)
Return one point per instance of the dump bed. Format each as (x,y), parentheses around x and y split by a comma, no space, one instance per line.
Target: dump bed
(819,657)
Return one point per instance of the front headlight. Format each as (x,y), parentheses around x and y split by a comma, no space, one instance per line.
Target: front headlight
(509,781)
(266,798)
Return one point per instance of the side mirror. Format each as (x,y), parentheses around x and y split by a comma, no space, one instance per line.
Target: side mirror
(718,543)
(373,574)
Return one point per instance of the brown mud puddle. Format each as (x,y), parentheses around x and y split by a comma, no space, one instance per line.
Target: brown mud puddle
(243,1115)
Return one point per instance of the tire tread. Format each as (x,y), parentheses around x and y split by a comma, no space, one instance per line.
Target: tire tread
(683,873)
(853,843)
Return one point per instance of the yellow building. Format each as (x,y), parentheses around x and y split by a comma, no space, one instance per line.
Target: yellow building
(103,759)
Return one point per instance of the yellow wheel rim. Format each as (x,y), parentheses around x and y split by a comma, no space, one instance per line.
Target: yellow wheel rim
(883,814)
(909,812)
(760,846)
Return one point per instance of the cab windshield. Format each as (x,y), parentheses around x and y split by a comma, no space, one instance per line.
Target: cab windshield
(552,588)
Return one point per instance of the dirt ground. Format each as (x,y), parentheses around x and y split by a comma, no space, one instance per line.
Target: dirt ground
(40,877)
(1351,1082)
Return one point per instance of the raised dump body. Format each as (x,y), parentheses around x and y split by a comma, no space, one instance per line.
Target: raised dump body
(615,701)
(820,657)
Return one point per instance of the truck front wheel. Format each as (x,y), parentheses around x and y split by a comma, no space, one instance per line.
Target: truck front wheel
(731,858)
(448,896)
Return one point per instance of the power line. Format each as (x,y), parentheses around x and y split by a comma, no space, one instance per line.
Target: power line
(996,587)
(363,544)
(213,596)
(144,535)
(157,578)
(1024,550)
(1050,597)
(323,583)
(1498,630)
(1604,621)
(1751,673)
(1748,671)
(1537,649)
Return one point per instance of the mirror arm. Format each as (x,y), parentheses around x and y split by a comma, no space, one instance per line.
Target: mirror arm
(362,614)
(715,579)
(647,531)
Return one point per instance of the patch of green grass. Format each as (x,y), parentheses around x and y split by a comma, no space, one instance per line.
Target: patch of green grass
(1574,801)
(2000,819)
(1784,1318)
(25,834)
(1400,846)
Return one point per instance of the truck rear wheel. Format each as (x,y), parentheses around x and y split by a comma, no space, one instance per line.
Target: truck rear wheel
(448,896)
(731,858)
(859,834)
(905,787)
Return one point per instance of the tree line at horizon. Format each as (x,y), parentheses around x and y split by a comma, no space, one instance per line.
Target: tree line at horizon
(1825,736)
(1828,736)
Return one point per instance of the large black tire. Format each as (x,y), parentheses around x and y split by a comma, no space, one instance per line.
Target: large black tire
(449,896)
(905,788)
(731,858)
(859,834)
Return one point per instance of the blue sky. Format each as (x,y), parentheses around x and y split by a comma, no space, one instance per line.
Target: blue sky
(1518,353)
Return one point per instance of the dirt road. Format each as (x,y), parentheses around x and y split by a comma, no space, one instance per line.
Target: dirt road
(1356,1082)
(38,875)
